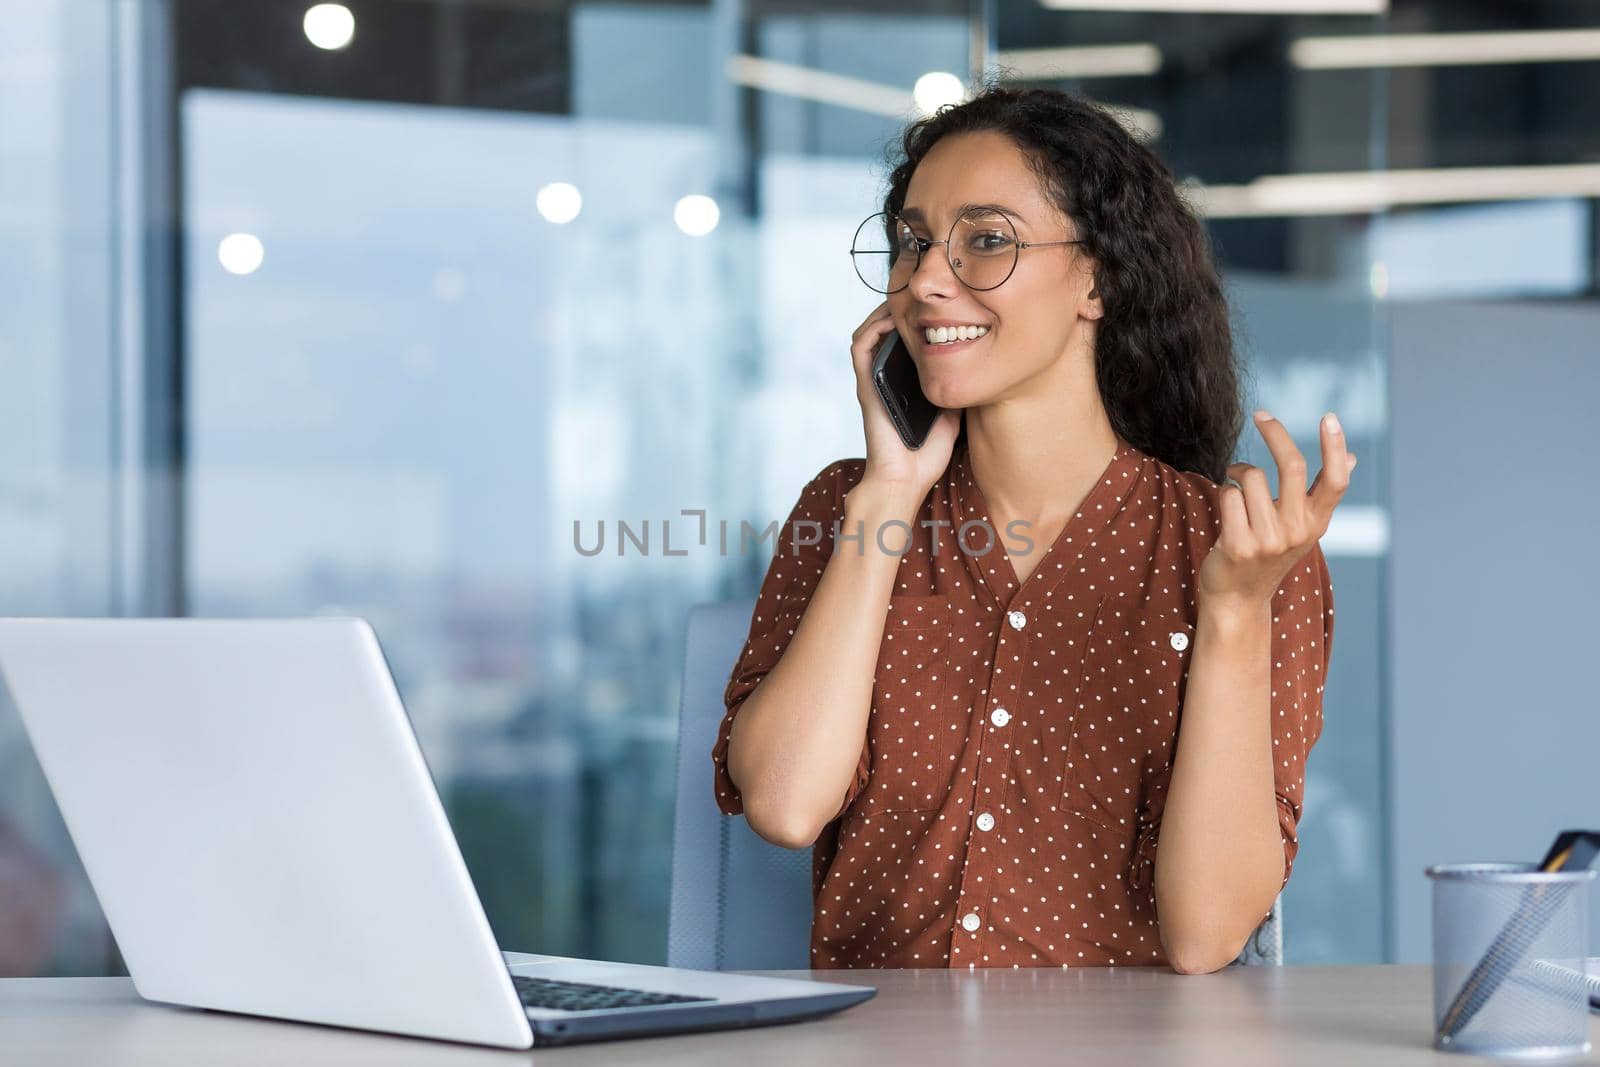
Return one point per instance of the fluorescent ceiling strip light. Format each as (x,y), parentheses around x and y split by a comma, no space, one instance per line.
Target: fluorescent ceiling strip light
(1085,61)
(1145,125)
(1364,192)
(1444,49)
(819,85)
(1229,7)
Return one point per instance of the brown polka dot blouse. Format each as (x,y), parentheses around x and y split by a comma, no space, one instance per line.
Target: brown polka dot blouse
(1007,802)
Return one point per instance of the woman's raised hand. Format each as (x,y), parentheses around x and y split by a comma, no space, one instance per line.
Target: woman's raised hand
(1264,538)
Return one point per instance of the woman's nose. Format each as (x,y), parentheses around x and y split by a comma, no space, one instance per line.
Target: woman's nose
(934,274)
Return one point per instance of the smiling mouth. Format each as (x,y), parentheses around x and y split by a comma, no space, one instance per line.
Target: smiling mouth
(935,335)
(941,347)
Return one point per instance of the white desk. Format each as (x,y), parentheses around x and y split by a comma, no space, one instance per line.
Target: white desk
(1297,1016)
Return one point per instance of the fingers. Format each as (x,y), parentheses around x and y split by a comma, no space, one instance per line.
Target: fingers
(868,336)
(1291,471)
(1235,522)
(1334,477)
(883,441)
(1261,514)
(873,316)
(1299,515)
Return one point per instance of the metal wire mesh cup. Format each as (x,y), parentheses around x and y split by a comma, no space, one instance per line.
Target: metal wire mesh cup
(1509,943)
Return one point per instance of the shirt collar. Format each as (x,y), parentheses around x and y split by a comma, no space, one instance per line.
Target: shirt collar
(992,570)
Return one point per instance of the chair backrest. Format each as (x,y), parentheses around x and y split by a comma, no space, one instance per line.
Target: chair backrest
(1266,944)
(738,901)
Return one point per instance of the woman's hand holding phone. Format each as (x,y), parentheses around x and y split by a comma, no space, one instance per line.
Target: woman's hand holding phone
(889,462)
(795,747)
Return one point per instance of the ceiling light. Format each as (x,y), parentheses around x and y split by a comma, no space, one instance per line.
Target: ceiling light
(1081,61)
(240,253)
(821,86)
(558,202)
(1366,192)
(935,89)
(696,215)
(1143,124)
(1228,7)
(329,26)
(1444,49)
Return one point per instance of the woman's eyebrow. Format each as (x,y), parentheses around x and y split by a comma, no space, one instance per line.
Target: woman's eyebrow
(915,213)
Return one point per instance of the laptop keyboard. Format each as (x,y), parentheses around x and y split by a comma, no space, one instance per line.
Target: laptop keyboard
(586,996)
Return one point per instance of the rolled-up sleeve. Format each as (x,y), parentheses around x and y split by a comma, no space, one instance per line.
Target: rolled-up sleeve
(1302,650)
(803,546)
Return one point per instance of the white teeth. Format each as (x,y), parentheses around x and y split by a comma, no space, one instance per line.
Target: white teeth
(938,335)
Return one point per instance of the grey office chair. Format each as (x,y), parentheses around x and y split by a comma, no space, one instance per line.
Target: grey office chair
(738,901)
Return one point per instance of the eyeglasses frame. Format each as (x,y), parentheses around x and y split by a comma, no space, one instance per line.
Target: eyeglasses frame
(923,244)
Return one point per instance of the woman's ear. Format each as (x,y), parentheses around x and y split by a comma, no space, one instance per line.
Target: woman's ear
(1092,307)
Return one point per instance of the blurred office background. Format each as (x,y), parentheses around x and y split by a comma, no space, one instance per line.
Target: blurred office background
(361,308)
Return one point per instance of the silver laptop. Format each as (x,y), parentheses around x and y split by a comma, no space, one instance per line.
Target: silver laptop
(255,815)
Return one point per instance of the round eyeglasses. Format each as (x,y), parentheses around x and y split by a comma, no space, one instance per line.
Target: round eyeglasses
(982,248)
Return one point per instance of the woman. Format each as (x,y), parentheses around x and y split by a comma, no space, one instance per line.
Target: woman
(978,733)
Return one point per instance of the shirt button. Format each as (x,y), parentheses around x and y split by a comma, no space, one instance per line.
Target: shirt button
(986,821)
(1017,619)
(999,716)
(970,920)
(1180,640)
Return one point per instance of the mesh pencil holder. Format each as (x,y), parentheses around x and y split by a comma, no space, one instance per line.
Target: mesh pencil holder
(1509,943)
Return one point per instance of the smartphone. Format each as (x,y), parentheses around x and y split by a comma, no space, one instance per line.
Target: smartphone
(894,374)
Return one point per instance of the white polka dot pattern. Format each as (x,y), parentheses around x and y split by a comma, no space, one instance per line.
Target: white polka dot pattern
(1006,807)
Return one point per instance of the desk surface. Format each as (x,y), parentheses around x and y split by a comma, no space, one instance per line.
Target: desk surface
(1146,1015)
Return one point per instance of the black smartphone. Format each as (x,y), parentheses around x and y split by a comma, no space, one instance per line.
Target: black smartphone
(894,374)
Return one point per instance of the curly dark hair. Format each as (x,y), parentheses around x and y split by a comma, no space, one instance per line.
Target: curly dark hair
(1164,357)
